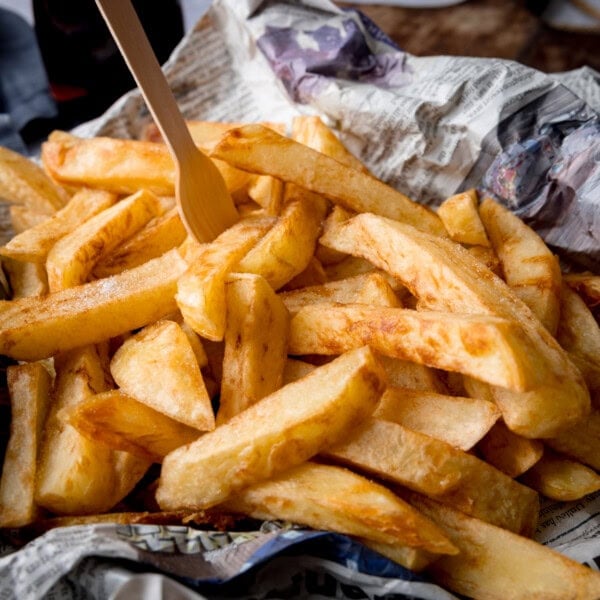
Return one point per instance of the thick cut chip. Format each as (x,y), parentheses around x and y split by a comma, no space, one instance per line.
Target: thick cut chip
(29,389)
(459,421)
(414,559)
(313,274)
(76,475)
(282,430)
(295,369)
(73,257)
(433,467)
(489,348)
(336,499)
(26,279)
(561,478)
(348,267)
(267,192)
(22,218)
(255,344)
(370,288)
(460,216)
(582,441)
(259,150)
(488,494)
(122,423)
(508,451)
(498,565)
(202,132)
(528,265)
(400,455)
(195,343)
(33,328)
(312,132)
(24,182)
(129,469)
(486,256)
(160,235)
(34,243)
(329,256)
(158,367)
(587,285)
(444,276)
(206,133)
(201,290)
(286,250)
(411,375)
(120,166)
(579,334)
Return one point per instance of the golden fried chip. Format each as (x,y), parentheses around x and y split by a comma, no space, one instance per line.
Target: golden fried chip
(255,344)
(158,367)
(444,276)
(73,257)
(287,249)
(120,422)
(489,348)
(333,498)
(29,388)
(201,290)
(260,150)
(528,265)
(459,421)
(159,235)
(508,451)
(369,288)
(119,166)
(22,181)
(460,216)
(497,564)
(397,454)
(282,430)
(33,328)
(34,243)
(561,478)
(78,476)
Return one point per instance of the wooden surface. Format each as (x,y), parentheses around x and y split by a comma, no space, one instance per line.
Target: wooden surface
(489,28)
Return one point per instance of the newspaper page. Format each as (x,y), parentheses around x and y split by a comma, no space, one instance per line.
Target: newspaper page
(429,126)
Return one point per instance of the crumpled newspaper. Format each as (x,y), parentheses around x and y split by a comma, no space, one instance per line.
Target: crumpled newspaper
(430,126)
(142,561)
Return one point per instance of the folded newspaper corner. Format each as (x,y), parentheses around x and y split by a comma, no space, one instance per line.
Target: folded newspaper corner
(430,126)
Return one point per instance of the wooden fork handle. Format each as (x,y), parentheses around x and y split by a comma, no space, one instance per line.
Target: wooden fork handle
(125,26)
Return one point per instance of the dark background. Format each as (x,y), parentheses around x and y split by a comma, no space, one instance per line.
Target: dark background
(512,29)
